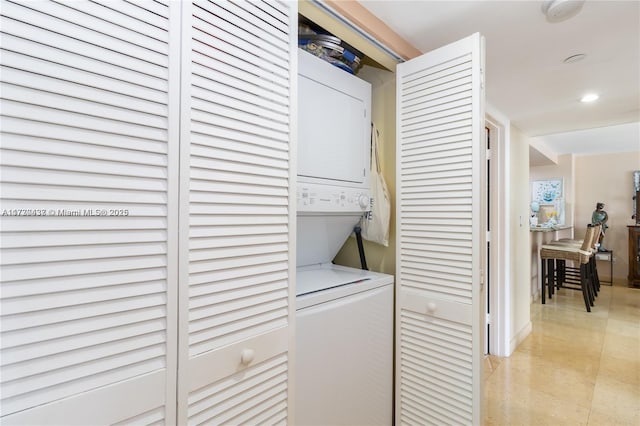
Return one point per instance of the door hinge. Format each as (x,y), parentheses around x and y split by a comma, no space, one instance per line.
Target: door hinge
(489,154)
(487,318)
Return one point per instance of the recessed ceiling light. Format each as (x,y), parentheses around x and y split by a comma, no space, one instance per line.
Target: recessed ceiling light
(574,58)
(590,97)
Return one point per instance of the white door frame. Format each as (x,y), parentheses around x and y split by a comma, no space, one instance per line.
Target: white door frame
(500,255)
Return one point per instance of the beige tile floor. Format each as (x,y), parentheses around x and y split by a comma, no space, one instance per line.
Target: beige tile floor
(575,368)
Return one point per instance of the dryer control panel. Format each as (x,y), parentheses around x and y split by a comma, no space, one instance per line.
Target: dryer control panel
(313,198)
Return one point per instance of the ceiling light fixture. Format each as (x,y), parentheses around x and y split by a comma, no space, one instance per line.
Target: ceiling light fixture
(574,58)
(589,97)
(561,10)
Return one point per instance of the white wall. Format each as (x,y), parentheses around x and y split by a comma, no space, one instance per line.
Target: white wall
(519,239)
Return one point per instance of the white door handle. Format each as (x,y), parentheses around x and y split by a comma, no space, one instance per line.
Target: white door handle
(246,356)
(431,307)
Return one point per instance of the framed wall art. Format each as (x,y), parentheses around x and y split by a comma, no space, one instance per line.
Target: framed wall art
(546,191)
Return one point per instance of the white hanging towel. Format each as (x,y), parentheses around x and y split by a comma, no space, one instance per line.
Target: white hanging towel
(375,223)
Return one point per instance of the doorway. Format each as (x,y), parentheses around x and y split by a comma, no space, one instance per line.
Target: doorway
(487,277)
(496,299)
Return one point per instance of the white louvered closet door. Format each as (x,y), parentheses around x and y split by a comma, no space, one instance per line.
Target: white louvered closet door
(440,122)
(236,270)
(88,258)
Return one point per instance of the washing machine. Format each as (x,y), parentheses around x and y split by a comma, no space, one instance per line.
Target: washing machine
(344,347)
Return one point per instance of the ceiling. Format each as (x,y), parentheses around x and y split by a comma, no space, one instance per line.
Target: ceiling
(526,78)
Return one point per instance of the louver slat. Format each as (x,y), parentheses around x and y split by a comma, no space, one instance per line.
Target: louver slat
(91,15)
(150,418)
(126,51)
(76,67)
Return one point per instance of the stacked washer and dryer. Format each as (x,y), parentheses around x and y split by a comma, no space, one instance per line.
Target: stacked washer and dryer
(344,316)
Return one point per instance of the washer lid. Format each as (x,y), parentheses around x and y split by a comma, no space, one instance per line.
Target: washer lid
(318,284)
(312,280)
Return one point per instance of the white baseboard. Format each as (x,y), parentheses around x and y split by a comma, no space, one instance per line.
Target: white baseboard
(535,296)
(519,337)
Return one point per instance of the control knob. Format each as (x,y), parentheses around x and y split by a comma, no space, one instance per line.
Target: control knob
(363,201)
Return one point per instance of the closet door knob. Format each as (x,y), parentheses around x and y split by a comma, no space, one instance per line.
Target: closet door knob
(246,356)
(431,307)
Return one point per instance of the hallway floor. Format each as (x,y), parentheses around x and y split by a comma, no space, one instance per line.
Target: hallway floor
(575,368)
